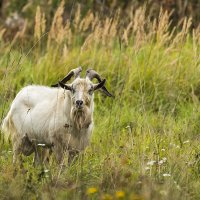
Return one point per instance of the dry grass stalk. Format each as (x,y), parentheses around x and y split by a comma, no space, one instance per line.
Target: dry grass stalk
(20,34)
(138,27)
(40,23)
(181,36)
(86,21)
(196,44)
(163,34)
(77,17)
(125,36)
(93,38)
(95,22)
(65,52)
(68,32)
(114,25)
(105,30)
(196,35)
(87,41)
(57,30)
(2,31)
(60,32)
(37,32)
(43,23)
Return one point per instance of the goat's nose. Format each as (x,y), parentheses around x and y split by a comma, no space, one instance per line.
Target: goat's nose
(79,102)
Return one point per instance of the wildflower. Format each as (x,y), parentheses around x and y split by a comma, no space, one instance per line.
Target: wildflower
(166,175)
(91,190)
(162,149)
(119,194)
(164,159)
(151,162)
(160,162)
(136,197)
(42,145)
(107,197)
(163,192)
(185,142)
(172,145)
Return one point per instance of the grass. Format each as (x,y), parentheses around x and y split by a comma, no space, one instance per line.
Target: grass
(145,143)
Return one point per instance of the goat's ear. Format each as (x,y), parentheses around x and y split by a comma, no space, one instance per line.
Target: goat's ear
(66,87)
(99,85)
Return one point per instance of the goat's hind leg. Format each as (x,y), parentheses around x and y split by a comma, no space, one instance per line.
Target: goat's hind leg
(59,153)
(17,154)
(16,143)
(17,157)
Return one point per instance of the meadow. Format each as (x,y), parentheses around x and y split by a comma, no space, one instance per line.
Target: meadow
(145,144)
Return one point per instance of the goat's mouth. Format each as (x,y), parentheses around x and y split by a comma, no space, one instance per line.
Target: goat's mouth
(79,107)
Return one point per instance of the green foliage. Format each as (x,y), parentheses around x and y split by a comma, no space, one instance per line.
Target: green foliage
(145,143)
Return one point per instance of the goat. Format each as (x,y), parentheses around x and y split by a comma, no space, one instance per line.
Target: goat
(60,117)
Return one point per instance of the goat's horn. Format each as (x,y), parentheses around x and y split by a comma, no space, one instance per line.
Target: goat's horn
(90,73)
(74,72)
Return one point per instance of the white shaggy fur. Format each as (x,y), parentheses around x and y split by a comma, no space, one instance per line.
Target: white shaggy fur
(48,116)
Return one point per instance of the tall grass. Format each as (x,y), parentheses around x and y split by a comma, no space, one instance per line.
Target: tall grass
(145,142)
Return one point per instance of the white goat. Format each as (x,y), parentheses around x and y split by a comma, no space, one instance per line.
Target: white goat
(59,117)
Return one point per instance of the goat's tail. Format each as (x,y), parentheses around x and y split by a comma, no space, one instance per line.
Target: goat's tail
(7,126)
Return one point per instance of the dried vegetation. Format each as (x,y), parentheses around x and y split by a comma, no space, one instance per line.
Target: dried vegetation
(146,141)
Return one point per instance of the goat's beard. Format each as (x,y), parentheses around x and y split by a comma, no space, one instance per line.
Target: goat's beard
(81,118)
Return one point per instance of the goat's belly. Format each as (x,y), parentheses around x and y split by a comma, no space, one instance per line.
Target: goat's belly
(36,132)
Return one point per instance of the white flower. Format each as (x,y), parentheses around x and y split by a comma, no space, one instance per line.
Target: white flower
(147,168)
(162,149)
(185,142)
(172,145)
(164,159)
(160,162)
(46,171)
(166,175)
(163,192)
(42,145)
(151,162)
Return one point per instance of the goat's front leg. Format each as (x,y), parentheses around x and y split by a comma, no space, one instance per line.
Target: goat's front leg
(41,156)
(73,156)
(58,150)
(37,156)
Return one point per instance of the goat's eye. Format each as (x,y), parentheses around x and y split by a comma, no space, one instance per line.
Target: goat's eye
(90,91)
(73,90)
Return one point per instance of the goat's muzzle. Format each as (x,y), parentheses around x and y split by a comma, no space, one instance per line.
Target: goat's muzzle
(79,104)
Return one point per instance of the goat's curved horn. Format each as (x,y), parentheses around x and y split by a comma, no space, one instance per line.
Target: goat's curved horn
(90,73)
(74,72)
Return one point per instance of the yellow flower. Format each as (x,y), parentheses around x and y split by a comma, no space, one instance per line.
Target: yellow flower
(136,197)
(107,197)
(91,190)
(119,194)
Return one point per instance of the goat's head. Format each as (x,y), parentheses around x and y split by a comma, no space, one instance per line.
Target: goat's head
(82,89)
